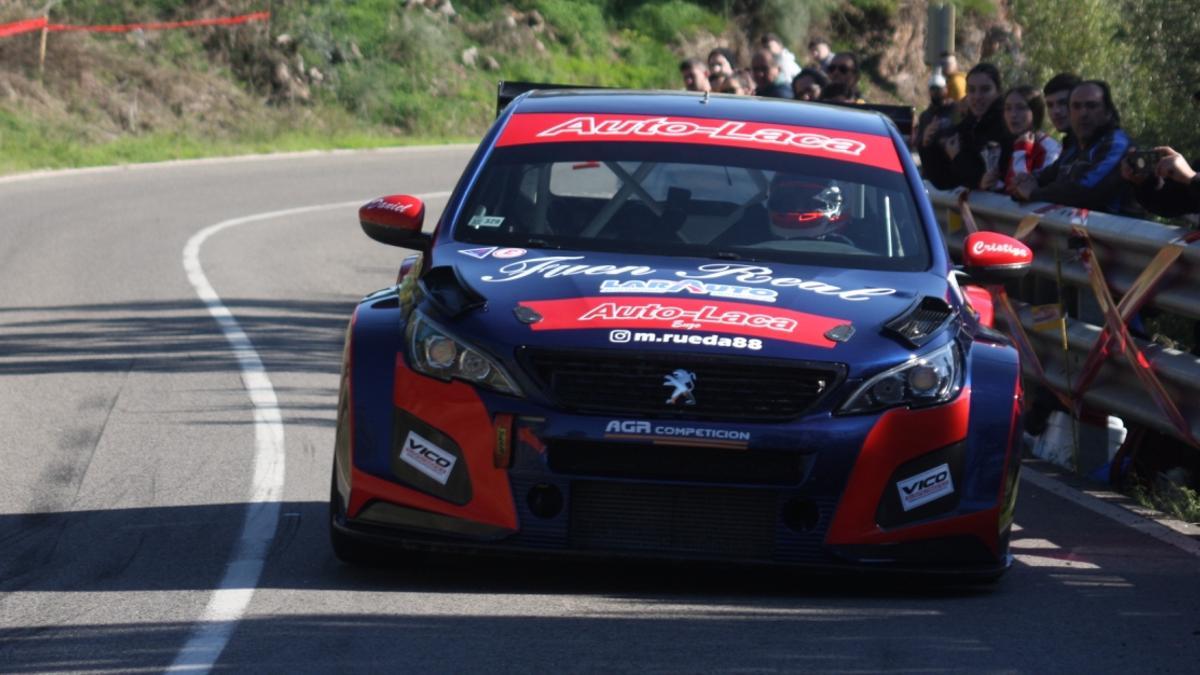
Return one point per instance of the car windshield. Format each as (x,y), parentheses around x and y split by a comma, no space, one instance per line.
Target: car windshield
(696,200)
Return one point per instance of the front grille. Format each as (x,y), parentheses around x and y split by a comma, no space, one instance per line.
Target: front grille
(623,382)
(680,463)
(715,522)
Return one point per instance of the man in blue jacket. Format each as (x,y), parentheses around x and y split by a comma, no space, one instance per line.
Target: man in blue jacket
(1088,172)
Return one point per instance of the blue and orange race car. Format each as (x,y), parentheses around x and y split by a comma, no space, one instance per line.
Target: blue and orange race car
(673,325)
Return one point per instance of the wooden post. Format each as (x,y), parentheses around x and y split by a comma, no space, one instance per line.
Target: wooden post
(42,47)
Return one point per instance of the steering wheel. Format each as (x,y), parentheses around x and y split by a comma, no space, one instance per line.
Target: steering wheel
(839,238)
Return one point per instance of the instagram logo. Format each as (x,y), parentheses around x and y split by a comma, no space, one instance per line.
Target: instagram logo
(619,336)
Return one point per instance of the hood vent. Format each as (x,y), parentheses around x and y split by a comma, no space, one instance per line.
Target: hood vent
(922,320)
(449,293)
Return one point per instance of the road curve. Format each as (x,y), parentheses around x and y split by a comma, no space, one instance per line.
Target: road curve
(127,473)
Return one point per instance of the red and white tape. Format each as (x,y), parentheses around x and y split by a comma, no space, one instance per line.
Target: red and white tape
(30,25)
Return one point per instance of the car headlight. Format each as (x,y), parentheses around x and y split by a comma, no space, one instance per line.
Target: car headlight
(921,381)
(436,353)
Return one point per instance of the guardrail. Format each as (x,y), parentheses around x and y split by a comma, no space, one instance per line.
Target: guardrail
(1124,248)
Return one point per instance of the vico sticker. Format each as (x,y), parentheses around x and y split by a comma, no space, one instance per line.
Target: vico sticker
(925,487)
(423,455)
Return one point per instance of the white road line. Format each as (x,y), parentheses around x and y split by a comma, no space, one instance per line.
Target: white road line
(233,594)
(1113,512)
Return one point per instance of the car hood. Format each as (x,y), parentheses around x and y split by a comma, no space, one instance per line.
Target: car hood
(591,300)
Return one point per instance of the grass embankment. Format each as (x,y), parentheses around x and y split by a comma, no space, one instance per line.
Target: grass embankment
(325,74)
(27,144)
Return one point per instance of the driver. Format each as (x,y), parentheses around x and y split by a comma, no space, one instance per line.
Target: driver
(801,207)
(798,207)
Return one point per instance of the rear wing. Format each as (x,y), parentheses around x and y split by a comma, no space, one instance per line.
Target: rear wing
(900,115)
(507,91)
(903,116)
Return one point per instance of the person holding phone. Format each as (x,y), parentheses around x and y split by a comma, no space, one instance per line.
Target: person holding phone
(961,156)
(1165,184)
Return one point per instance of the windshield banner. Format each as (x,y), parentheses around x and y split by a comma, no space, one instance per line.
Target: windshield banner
(531,128)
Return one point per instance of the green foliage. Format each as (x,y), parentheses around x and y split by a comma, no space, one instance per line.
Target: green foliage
(790,19)
(1174,500)
(120,11)
(1168,72)
(881,8)
(579,23)
(984,8)
(666,21)
(1089,49)
(29,143)
(1152,78)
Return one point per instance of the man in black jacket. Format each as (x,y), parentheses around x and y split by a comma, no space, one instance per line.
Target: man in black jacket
(1087,174)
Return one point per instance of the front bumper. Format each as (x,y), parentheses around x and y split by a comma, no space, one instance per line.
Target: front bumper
(552,497)
(543,495)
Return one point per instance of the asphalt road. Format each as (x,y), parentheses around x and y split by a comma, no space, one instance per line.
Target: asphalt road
(128,442)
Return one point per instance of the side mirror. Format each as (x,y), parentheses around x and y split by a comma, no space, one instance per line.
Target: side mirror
(992,258)
(396,220)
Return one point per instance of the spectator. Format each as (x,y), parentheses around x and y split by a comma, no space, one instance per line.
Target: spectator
(740,84)
(1058,94)
(722,63)
(808,84)
(957,157)
(1033,149)
(786,60)
(838,92)
(956,82)
(822,55)
(1170,189)
(941,111)
(695,75)
(1087,174)
(765,70)
(844,69)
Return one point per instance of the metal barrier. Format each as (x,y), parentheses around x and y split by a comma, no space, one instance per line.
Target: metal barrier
(1123,248)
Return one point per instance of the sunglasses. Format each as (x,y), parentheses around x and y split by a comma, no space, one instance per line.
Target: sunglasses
(840,68)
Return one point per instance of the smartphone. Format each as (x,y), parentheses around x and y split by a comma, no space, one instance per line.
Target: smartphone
(1143,161)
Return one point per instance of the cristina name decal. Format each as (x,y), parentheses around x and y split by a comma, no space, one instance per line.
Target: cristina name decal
(683,314)
(566,266)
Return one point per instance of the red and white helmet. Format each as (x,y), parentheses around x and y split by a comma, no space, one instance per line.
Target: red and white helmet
(804,207)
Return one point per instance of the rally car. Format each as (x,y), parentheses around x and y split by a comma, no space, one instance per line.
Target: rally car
(682,326)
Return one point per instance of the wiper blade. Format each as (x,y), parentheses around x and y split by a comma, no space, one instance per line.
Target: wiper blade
(538,242)
(726,255)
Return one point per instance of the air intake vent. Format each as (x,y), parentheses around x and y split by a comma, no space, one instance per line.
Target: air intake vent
(920,322)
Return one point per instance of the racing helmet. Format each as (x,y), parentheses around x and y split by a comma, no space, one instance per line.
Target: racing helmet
(804,207)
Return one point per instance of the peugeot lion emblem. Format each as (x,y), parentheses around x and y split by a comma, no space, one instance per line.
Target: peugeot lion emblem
(683,383)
